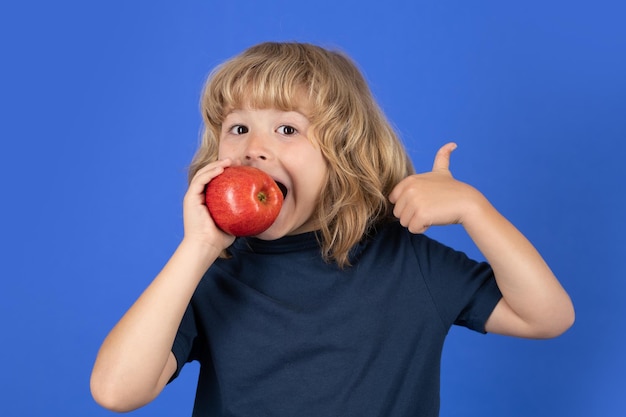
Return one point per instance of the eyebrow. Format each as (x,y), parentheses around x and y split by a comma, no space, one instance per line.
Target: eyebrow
(297,112)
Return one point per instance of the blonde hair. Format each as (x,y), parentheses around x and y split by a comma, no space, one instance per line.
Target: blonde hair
(365,156)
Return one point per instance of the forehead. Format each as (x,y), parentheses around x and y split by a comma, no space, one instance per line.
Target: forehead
(294,116)
(262,82)
(291,100)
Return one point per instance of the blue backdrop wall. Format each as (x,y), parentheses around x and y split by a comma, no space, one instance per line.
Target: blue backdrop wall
(99,119)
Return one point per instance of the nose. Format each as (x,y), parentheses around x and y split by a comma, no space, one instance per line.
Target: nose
(257,148)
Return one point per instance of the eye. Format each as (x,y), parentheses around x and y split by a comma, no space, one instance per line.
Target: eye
(238,129)
(287,130)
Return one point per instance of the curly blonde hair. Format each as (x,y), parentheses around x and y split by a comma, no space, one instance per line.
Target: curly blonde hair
(365,157)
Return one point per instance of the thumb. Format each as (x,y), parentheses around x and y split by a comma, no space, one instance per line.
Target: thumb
(442,159)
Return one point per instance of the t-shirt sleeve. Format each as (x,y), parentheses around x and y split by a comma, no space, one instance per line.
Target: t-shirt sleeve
(184,341)
(464,291)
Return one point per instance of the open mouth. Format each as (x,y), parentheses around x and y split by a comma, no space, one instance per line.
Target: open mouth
(282,188)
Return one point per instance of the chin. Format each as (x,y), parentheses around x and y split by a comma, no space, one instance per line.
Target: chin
(277,230)
(273,233)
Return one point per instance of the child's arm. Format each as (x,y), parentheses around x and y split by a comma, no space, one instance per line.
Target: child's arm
(135,360)
(534,304)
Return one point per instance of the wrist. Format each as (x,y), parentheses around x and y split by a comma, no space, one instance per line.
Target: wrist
(477,209)
(199,250)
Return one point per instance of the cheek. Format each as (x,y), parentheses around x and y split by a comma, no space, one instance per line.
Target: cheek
(224,150)
(316,176)
(309,177)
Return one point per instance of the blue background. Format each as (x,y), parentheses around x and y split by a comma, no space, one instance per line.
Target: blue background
(99,120)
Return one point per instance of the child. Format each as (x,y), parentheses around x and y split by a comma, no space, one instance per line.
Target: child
(341,307)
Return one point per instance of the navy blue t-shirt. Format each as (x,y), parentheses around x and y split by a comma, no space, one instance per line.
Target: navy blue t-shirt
(280,332)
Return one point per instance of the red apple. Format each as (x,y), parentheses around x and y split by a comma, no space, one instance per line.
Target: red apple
(243,200)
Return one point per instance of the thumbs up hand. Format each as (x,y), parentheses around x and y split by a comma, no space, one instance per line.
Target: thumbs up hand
(434,198)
